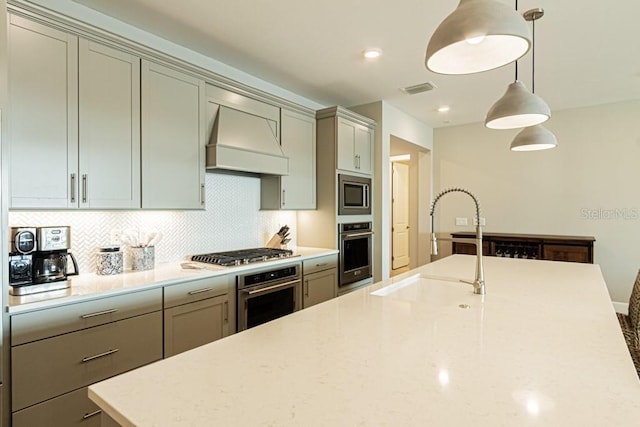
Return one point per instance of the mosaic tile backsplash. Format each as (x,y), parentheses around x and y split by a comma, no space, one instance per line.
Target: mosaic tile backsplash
(232,220)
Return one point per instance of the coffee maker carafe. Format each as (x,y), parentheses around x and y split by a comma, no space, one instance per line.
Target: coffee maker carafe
(50,261)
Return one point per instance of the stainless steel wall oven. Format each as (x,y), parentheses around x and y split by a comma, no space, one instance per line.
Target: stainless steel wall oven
(268,294)
(355,252)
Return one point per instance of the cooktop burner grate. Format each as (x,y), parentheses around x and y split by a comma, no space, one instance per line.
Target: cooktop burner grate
(242,256)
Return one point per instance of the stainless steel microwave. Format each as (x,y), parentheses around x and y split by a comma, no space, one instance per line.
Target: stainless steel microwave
(354,195)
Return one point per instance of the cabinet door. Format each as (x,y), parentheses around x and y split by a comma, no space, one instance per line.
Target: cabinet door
(362,148)
(192,325)
(43,121)
(172,139)
(346,145)
(299,144)
(109,127)
(319,287)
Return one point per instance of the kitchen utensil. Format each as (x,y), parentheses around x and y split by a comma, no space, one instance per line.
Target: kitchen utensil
(157,236)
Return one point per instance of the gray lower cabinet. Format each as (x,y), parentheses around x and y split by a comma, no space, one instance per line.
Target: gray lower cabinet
(71,409)
(320,280)
(197,313)
(57,352)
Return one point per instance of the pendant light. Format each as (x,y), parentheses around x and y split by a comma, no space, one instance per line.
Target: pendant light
(518,107)
(479,35)
(535,137)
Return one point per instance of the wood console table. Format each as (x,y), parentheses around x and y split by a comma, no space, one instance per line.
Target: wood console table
(534,246)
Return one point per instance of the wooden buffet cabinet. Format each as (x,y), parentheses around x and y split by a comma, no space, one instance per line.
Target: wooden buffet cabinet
(534,246)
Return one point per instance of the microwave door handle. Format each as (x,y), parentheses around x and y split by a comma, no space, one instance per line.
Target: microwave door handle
(366,196)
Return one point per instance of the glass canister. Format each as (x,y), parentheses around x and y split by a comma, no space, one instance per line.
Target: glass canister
(110,261)
(142,257)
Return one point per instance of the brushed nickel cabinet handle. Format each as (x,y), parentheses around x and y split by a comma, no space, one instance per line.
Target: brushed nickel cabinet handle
(92,414)
(202,194)
(226,311)
(84,188)
(306,288)
(73,188)
(199,291)
(99,313)
(322,264)
(284,194)
(97,356)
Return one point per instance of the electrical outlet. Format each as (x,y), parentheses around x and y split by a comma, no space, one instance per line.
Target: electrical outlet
(462,221)
(483,222)
(114,237)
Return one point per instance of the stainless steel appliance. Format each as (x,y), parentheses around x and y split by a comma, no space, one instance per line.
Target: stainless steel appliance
(265,294)
(50,262)
(354,195)
(242,256)
(22,245)
(356,244)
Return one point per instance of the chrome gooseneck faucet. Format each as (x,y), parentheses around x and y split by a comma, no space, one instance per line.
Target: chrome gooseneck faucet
(478,283)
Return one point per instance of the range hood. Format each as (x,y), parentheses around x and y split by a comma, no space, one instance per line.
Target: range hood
(244,142)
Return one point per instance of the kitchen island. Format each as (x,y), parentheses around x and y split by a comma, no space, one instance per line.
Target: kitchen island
(542,347)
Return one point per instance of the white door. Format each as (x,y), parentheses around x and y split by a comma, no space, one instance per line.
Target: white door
(400,215)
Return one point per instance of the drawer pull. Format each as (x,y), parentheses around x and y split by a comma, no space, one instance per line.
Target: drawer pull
(92,414)
(99,313)
(322,264)
(199,291)
(97,356)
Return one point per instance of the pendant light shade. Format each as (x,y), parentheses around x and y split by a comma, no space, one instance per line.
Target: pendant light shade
(534,138)
(479,35)
(517,108)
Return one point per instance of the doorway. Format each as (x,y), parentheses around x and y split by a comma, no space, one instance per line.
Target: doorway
(410,197)
(400,214)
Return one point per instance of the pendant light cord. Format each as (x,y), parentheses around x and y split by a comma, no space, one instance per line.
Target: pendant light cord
(533,57)
(516,59)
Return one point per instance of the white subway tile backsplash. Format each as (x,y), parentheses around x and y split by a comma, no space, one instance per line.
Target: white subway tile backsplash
(232,220)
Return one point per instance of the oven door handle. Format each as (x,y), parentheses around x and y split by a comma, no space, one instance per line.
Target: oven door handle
(270,288)
(350,235)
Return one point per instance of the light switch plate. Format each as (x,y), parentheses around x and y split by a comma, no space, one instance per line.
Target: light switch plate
(483,221)
(462,221)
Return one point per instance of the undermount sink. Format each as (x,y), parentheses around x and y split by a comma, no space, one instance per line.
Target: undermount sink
(423,279)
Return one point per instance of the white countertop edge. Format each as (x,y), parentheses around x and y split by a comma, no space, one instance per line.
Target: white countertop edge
(90,286)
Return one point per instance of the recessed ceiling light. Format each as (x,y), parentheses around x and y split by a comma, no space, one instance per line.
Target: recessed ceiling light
(443,109)
(372,53)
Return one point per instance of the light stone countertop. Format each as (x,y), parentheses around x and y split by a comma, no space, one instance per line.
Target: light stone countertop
(543,347)
(91,286)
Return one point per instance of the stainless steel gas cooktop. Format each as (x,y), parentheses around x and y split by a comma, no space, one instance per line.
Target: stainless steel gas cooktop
(242,256)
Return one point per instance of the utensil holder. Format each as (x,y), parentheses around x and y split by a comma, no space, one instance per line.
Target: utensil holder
(142,258)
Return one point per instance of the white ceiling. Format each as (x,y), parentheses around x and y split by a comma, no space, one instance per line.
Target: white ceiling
(587,52)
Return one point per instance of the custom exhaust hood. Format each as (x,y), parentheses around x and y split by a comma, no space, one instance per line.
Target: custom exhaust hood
(245,142)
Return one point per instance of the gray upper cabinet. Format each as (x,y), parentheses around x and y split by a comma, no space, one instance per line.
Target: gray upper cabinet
(172,139)
(74,123)
(109,117)
(297,190)
(355,143)
(43,121)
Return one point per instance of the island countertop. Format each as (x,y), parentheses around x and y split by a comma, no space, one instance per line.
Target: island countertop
(542,347)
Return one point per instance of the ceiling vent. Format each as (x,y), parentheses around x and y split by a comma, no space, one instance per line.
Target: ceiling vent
(422,87)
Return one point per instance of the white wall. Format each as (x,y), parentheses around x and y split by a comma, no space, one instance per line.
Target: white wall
(588,185)
(391,122)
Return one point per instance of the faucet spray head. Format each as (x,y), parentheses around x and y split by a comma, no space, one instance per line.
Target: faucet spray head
(434,244)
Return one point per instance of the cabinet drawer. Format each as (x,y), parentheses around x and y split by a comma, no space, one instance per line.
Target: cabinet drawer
(196,290)
(47,368)
(46,323)
(320,263)
(71,409)
(566,253)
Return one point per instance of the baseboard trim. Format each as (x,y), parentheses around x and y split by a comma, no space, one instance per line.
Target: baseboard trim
(621,307)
